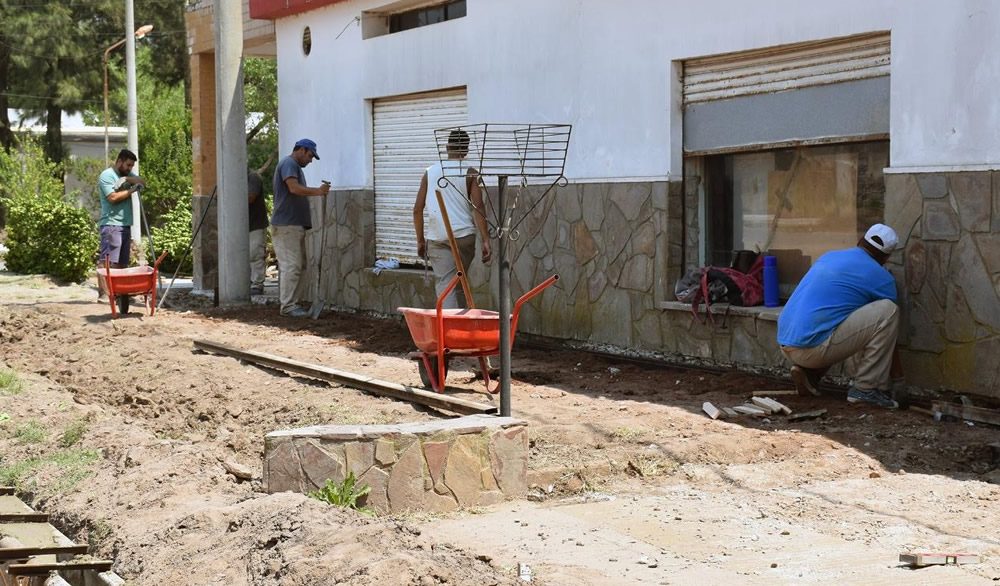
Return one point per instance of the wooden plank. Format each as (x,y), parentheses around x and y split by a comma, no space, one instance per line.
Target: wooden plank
(24,518)
(775,393)
(751,410)
(978,414)
(43,569)
(711,410)
(6,490)
(350,379)
(20,553)
(765,404)
(932,559)
(807,415)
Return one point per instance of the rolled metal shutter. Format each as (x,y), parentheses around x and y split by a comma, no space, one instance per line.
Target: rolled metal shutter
(403,148)
(786,67)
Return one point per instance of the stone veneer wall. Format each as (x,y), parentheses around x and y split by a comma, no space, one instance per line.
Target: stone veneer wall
(948,277)
(434,466)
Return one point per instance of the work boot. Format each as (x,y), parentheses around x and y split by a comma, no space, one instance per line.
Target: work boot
(806,379)
(856,395)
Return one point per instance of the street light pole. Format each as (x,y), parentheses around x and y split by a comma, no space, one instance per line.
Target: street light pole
(141,32)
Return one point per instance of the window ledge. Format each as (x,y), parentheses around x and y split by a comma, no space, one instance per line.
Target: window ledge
(759,312)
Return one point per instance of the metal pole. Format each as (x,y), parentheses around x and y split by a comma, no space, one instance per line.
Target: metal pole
(231,155)
(504,285)
(107,146)
(133,119)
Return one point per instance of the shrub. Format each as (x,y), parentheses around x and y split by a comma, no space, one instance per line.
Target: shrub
(174,237)
(345,494)
(46,232)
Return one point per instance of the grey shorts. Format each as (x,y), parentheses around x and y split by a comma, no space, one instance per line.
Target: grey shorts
(116,244)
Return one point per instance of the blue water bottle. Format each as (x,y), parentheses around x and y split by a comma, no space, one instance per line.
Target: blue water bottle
(771,298)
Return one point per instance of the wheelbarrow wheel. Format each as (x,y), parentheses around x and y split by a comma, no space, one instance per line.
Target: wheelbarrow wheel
(123,304)
(424,377)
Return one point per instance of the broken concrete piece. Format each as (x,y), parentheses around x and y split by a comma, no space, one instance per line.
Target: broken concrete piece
(238,470)
(751,410)
(807,415)
(775,406)
(730,412)
(711,410)
(765,404)
(938,559)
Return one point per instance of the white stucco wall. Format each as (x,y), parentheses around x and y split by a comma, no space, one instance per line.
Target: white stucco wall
(606,67)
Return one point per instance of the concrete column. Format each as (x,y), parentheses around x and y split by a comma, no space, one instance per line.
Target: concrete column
(133,117)
(231,155)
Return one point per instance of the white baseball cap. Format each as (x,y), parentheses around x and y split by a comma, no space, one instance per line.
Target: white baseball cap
(882,237)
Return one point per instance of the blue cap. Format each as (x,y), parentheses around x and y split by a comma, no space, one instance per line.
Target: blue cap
(309,144)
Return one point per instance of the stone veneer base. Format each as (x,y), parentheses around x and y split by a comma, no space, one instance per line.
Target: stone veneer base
(435,466)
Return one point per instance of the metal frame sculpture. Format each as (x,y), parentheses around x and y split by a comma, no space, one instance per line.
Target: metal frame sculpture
(535,154)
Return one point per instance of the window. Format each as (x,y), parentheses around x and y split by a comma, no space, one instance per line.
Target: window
(425,16)
(796,203)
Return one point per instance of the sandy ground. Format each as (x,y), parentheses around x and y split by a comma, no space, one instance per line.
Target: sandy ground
(122,428)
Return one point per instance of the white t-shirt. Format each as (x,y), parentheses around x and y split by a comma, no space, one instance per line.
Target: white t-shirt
(456,199)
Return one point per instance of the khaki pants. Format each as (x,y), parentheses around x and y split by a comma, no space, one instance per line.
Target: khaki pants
(865,341)
(290,248)
(443,263)
(258,257)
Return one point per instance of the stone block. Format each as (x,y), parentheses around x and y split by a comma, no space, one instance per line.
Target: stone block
(938,268)
(439,503)
(972,194)
(989,250)
(490,497)
(995,224)
(462,473)
(646,331)
(968,272)
(436,454)
(385,453)
(489,482)
(360,457)
(745,346)
(940,222)
(508,451)
(916,265)
(584,245)
(637,274)
(958,323)
(644,239)
(923,333)
(932,185)
(377,497)
(405,489)
(568,205)
(594,197)
(615,232)
(903,205)
(630,197)
(608,317)
(281,468)
(319,465)
(986,376)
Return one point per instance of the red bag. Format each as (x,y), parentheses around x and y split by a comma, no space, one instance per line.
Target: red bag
(722,285)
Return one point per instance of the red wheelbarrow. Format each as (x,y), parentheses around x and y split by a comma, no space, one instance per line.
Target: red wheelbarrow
(441,334)
(120,283)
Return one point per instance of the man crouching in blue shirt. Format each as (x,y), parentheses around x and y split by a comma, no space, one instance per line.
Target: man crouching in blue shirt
(845,309)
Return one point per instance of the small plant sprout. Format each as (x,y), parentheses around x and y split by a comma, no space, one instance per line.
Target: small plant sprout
(345,494)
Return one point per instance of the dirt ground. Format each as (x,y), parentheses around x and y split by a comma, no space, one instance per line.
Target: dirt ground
(121,431)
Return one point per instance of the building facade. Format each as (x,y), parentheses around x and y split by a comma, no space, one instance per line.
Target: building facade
(698,129)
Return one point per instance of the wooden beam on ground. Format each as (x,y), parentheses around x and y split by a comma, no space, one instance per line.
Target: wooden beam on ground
(807,415)
(968,413)
(6,490)
(353,380)
(43,569)
(774,393)
(24,518)
(20,553)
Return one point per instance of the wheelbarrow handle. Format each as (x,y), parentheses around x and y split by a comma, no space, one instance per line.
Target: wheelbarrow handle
(441,350)
(156,264)
(527,296)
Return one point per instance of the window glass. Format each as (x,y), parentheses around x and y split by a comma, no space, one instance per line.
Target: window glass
(795,203)
(425,16)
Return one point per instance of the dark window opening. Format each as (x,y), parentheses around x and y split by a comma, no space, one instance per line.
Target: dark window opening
(795,203)
(424,16)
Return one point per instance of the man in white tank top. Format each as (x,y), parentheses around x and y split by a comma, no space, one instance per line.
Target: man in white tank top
(460,193)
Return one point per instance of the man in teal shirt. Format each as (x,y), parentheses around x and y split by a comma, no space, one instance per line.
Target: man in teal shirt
(116,184)
(845,309)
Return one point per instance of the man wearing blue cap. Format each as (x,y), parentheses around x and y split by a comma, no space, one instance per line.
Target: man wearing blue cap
(289,222)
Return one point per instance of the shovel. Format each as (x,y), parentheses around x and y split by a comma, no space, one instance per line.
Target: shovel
(318,303)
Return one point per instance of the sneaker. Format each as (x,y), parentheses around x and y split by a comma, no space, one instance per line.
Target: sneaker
(806,379)
(257,290)
(297,312)
(855,395)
